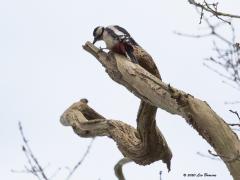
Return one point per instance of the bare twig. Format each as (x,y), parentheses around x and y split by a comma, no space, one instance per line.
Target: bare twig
(36,169)
(25,171)
(216,71)
(228,159)
(81,160)
(212,9)
(192,35)
(235,124)
(237,45)
(227,57)
(236,113)
(232,102)
(55,173)
(32,160)
(232,86)
(207,156)
(33,169)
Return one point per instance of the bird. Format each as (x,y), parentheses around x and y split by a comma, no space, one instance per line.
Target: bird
(117,39)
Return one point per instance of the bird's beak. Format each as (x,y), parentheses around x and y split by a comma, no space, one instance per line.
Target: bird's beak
(95,40)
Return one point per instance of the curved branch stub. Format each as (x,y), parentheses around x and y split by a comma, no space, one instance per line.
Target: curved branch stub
(86,122)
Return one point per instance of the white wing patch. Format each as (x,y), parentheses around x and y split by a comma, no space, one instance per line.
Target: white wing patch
(116,31)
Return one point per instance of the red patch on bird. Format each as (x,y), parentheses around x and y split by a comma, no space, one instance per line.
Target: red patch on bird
(119,48)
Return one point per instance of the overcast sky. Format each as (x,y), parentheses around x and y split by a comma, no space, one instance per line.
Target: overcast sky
(43,70)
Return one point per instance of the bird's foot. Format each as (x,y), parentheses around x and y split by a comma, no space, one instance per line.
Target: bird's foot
(101,49)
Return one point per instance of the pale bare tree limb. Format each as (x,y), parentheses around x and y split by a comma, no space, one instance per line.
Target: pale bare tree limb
(141,147)
(152,90)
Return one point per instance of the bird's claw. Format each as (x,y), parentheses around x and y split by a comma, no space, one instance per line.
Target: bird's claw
(101,49)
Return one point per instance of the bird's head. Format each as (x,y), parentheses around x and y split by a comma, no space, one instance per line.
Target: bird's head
(98,33)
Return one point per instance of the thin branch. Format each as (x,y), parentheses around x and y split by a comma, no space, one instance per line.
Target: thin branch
(237,45)
(232,102)
(236,113)
(24,171)
(27,150)
(81,160)
(207,156)
(212,8)
(217,71)
(226,58)
(235,124)
(232,86)
(228,159)
(33,169)
(192,35)
(55,173)
(212,32)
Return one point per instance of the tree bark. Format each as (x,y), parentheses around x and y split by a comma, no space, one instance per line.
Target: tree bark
(143,146)
(152,90)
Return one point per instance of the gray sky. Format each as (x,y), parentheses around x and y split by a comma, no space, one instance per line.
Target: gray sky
(43,70)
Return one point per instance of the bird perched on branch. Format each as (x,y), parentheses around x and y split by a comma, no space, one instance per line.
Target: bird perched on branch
(118,40)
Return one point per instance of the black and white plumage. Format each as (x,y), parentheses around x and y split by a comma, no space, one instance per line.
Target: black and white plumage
(117,39)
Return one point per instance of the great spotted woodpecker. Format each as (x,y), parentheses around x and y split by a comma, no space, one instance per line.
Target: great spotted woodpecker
(117,39)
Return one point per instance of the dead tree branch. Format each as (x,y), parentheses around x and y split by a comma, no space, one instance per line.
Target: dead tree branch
(226,60)
(235,124)
(81,160)
(35,167)
(144,151)
(236,113)
(212,8)
(208,156)
(150,89)
(86,122)
(228,159)
(118,168)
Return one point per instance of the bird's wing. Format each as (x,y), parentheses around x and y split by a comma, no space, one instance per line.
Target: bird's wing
(122,34)
(146,61)
(119,28)
(111,32)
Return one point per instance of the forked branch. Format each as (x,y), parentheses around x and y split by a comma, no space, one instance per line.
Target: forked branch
(86,122)
(212,8)
(159,94)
